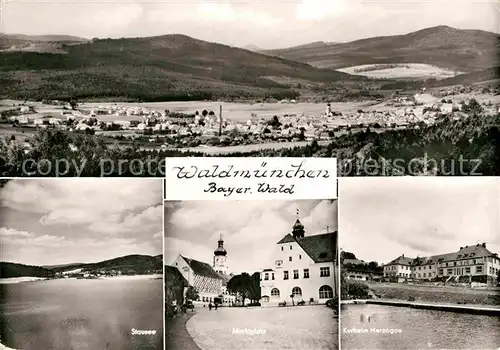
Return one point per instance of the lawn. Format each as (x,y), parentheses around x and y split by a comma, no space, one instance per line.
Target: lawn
(436,293)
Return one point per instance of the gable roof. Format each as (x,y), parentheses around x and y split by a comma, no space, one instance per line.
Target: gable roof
(201,268)
(401,260)
(353,262)
(225,277)
(467,252)
(171,272)
(287,239)
(320,248)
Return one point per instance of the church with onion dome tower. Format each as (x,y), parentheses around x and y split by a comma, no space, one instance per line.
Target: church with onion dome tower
(305,269)
(220,257)
(209,281)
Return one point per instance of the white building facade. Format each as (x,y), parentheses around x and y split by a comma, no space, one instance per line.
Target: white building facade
(469,264)
(305,269)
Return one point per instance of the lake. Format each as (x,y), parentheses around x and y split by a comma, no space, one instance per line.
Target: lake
(82,314)
(419,329)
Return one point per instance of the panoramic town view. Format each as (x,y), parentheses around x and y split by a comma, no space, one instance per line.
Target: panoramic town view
(81,264)
(433,279)
(407,97)
(263,277)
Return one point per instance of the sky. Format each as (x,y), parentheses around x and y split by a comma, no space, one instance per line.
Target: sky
(267,24)
(250,229)
(382,218)
(59,221)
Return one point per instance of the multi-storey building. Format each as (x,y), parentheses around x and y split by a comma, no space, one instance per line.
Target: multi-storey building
(399,267)
(305,269)
(355,269)
(469,264)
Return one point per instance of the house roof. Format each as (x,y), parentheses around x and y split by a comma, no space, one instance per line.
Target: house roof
(202,269)
(401,260)
(349,269)
(353,262)
(320,248)
(287,239)
(173,272)
(467,252)
(225,277)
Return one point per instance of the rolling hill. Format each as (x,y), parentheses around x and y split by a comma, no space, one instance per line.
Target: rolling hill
(313,45)
(168,67)
(9,270)
(51,267)
(43,38)
(442,46)
(37,43)
(135,264)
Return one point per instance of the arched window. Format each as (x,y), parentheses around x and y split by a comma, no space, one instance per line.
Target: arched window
(325,292)
(275,292)
(297,292)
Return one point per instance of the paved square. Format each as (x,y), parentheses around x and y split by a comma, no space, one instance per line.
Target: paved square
(292,328)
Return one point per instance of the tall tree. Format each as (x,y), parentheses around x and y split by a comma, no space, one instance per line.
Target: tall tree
(254,291)
(241,284)
(347,255)
(192,294)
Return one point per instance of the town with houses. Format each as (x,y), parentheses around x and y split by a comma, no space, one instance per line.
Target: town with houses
(169,129)
(81,273)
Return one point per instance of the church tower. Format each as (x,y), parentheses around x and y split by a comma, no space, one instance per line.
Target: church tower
(298,230)
(220,256)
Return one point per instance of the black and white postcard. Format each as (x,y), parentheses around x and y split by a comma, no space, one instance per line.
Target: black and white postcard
(253,273)
(111,88)
(419,263)
(81,264)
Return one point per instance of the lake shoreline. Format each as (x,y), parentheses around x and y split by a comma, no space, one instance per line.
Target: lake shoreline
(476,309)
(14,280)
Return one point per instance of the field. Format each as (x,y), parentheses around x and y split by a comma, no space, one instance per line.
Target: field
(6,130)
(436,293)
(415,71)
(250,148)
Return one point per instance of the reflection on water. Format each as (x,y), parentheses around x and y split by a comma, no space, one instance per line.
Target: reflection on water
(81,314)
(415,329)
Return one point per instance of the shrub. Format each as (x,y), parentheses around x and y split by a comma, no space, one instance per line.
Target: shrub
(358,290)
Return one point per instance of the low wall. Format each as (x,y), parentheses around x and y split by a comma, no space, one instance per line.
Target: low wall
(468,309)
